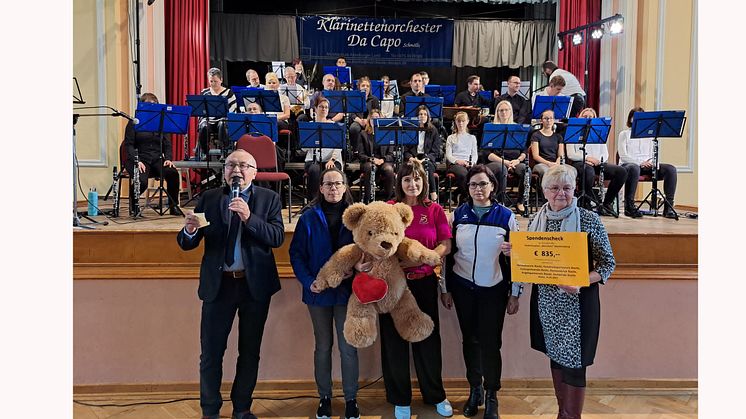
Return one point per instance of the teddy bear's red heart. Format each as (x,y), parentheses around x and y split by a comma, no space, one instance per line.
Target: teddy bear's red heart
(369,289)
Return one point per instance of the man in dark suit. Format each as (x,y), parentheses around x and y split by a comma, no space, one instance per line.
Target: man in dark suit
(238,273)
(521,105)
(153,151)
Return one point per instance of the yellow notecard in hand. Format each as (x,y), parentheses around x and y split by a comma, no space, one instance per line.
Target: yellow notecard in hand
(549,258)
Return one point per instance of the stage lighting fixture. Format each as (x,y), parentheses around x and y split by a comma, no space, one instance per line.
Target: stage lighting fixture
(560,44)
(616,26)
(577,38)
(597,33)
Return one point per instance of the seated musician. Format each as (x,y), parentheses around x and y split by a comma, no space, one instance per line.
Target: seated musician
(360,120)
(429,148)
(521,105)
(253,78)
(215,125)
(594,155)
(148,146)
(330,83)
(382,157)
(316,163)
(417,84)
(461,152)
(300,72)
(389,104)
(512,161)
(471,98)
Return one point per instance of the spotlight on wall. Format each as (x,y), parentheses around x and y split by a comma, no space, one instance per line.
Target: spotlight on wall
(560,44)
(577,38)
(597,33)
(616,27)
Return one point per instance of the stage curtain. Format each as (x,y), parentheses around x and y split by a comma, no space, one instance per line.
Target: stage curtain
(239,37)
(502,43)
(574,13)
(187,58)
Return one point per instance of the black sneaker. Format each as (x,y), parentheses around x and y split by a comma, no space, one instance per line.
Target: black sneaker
(632,212)
(325,408)
(605,210)
(351,410)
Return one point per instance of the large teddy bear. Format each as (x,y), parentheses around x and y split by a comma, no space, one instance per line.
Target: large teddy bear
(378,232)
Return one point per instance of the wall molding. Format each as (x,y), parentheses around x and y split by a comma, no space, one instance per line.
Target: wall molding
(101,57)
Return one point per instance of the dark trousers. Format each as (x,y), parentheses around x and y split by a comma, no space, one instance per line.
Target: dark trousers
(153,169)
(481,312)
(385,176)
(501,174)
(616,175)
(460,182)
(430,168)
(313,171)
(217,320)
(667,173)
(205,129)
(426,354)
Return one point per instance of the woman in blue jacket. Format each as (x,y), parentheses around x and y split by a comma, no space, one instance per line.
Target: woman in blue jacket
(318,234)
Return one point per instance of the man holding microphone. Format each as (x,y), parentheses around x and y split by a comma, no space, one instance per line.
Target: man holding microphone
(240,226)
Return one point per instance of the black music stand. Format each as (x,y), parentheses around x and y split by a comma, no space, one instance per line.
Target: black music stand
(278,67)
(207,106)
(561,106)
(667,124)
(240,124)
(433,104)
(343,74)
(585,131)
(505,137)
(162,119)
(396,132)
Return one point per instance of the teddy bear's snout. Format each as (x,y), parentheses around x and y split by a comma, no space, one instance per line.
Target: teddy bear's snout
(386,245)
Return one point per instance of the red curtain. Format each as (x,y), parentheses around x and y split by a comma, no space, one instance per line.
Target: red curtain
(574,13)
(187,57)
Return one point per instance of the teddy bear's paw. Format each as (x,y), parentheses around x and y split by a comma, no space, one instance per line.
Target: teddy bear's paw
(417,328)
(319,285)
(431,258)
(360,332)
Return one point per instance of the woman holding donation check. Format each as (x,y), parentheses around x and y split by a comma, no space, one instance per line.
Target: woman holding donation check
(565,319)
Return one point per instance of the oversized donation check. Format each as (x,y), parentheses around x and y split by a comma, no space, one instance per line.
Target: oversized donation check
(549,258)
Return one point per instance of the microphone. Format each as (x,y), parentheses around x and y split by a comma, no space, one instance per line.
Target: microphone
(235,187)
(122,114)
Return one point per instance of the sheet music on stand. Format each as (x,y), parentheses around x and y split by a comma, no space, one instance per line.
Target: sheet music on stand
(162,118)
(204,106)
(396,132)
(598,130)
(447,92)
(244,123)
(505,136)
(269,100)
(343,74)
(666,124)
(561,106)
(434,105)
(294,94)
(315,136)
(278,67)
(524,90)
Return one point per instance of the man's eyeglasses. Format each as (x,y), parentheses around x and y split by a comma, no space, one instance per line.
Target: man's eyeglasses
(480,185)
(243,166)
(337,185)
(556,189)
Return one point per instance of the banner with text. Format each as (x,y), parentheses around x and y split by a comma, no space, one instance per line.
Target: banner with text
(362,40)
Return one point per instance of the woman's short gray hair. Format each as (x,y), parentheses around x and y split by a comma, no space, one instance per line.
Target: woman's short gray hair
(215,72)
(558,174)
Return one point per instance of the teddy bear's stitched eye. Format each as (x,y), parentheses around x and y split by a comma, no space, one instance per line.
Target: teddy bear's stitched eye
(370,233)
(396,233)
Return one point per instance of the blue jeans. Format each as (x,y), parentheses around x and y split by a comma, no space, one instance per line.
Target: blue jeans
(325,320)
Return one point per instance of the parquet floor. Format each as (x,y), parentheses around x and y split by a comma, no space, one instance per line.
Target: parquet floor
(606,405)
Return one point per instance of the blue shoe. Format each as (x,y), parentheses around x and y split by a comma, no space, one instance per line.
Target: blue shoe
(402,412)
(444,408)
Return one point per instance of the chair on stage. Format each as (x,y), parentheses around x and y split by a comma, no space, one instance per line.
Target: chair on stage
(265,154)
(642,178)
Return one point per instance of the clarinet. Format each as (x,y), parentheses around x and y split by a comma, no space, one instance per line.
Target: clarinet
(186,147)
(601,189)
(115,189)
(372,186)
(135,187)
(526,188)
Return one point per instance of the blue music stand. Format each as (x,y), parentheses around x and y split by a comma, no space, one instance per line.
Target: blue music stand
(396,132)
(238,92)
(207,106)
(504,137)
(162,119)
(345,101)
(667,124)
(269,100)
(343,74)
(561,106)
(376,89)
(434,105)
(244,123)
(318,135)
(447,92)
(588,131)
(486,95)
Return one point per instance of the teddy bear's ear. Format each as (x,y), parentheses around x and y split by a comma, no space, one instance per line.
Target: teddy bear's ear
(405,212)
(352,215)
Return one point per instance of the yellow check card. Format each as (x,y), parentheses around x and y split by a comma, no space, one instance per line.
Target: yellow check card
(549,258)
